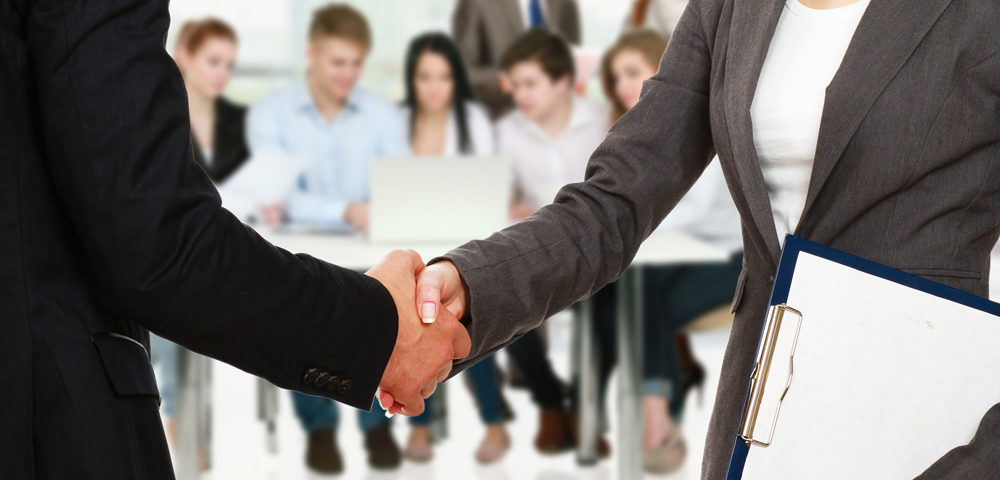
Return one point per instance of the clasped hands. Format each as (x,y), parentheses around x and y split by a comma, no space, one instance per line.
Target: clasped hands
(430,300)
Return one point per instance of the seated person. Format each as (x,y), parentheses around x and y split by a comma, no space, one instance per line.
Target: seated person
(444,119)
(205,52)
(549,138)
(672,296)
(340,127)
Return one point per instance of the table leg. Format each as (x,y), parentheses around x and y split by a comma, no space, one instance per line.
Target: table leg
(267,412)
(439,416)
(587,373)
(193,414)
(629,329)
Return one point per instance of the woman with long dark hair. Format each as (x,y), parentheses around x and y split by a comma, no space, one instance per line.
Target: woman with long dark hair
(444,120)
(440,105)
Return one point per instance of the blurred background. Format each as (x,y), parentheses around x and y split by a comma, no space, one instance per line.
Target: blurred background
(273,40)
(554,405)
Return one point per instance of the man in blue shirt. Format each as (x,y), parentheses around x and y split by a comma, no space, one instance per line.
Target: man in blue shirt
(328,119)
(339,127)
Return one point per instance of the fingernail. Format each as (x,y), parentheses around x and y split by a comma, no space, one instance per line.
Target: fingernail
(389,415)
(428,312)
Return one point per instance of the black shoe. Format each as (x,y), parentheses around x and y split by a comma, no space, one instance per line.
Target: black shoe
(383,451)
(322,454)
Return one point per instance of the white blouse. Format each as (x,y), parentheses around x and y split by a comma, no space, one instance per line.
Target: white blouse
(542,164)
(481,133)
(805,53)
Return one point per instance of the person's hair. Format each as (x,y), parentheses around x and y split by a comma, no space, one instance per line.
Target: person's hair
(340,21)
(443,45)
(194,33)
(545,46)
(649,43)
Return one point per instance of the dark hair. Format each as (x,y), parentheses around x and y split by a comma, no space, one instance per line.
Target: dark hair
(443,45)
(545,46)
(650,44)
(340,21)
(194,33)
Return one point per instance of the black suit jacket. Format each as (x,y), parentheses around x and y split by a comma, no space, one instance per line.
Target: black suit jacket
(109,228)
(230,150)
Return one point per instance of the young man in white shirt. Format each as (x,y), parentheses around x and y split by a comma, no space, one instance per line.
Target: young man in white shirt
(552,133)
(548,138)
(340,127)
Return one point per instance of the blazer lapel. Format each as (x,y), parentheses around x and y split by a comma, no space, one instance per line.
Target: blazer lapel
(885,38)
(552,14)
(752,28)
(512,12)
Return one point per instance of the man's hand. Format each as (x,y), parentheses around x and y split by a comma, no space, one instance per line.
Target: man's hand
(271,215)
(423,353)
(519,211)
(357,215)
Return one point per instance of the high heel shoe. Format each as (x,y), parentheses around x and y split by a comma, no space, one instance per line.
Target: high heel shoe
(692,371)
(696,380)
(668,457)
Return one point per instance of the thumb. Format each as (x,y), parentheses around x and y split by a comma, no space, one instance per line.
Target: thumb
(430,282)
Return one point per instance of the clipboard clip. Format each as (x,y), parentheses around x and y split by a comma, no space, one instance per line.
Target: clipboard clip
(761,370)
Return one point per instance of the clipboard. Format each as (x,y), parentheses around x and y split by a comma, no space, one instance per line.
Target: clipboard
(863,371)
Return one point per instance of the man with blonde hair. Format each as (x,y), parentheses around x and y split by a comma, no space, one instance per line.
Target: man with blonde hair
(340,127)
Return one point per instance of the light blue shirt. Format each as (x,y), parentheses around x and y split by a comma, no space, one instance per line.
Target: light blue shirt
(340,152)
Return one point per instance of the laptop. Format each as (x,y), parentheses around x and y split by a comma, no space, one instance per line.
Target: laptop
(438,199)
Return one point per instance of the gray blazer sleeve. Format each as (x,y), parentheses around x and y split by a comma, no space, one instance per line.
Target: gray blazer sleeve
(568,250)
(979,460)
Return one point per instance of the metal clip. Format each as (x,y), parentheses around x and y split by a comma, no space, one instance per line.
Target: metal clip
(761,370)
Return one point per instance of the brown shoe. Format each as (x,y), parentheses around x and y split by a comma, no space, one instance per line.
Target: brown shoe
(383,451)
(553,432)
(322,454)
(603,447)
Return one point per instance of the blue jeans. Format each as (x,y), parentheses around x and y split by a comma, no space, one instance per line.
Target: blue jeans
(164,353)
(485,386)
(318,412)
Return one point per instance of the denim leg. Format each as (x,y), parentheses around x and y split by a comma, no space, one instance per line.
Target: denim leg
(424,419)
(483,376)
(674,297)
(528,353)
(164,353)
(373,418)
(315,412)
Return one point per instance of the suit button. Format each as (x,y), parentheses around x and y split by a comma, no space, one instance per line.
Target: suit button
(333,384)
(345,387)
(310,375)
(322,379)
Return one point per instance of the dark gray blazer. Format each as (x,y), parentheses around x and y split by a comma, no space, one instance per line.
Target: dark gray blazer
(907,173)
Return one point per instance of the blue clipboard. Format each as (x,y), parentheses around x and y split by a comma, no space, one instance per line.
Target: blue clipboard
(793,246)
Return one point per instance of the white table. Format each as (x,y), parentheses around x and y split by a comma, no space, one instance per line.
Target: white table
(355,253)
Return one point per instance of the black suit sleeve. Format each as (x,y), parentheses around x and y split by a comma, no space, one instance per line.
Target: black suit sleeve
(113,112)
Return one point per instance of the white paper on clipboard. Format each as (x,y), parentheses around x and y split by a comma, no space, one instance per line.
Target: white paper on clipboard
(886,379)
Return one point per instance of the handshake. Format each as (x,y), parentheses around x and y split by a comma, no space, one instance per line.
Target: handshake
(429,301)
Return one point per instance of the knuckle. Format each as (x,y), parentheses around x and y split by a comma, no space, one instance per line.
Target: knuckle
(447,355)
